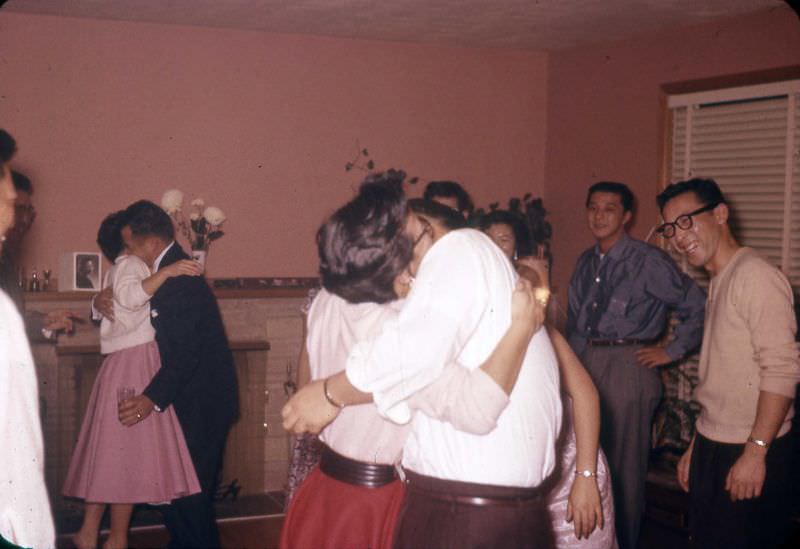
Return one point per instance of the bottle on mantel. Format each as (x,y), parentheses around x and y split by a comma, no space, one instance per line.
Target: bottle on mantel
(35,281)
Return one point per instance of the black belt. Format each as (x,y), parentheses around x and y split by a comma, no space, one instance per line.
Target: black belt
(622,342)
(355,472)
(522,496)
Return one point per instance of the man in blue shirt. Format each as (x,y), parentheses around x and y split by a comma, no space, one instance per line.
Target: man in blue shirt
(619,298)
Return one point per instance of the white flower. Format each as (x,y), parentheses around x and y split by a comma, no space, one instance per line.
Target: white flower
(198,203)
(172,201)
(194,216)
(214,216)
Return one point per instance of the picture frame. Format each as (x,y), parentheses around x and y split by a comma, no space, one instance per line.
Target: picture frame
(80,272)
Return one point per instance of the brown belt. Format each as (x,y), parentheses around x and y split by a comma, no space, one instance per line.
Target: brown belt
(526,496)
(622,342)
(354,472)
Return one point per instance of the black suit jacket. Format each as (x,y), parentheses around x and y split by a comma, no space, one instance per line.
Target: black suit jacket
(197,375)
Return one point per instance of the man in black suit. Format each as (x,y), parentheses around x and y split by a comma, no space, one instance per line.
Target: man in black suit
(197,375)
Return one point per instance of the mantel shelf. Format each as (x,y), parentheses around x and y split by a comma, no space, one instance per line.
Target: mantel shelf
(266,293)
(242,345)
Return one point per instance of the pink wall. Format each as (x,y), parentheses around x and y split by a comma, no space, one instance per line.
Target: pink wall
(260,125)
(603,110)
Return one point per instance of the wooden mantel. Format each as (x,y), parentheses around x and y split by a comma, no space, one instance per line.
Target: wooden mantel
(220,293)
(241,345)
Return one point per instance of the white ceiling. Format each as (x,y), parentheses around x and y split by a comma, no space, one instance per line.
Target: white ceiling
(519,24)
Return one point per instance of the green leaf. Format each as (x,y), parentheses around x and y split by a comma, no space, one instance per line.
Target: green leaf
(348,166)
(364,152)
(370,165)
(413,180)
(215,235)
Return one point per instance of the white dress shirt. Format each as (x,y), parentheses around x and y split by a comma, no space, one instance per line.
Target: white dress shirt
(25,517)
(458,310)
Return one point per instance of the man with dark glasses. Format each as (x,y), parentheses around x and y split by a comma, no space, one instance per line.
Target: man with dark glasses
(684,221)
(738,467)
(619,298)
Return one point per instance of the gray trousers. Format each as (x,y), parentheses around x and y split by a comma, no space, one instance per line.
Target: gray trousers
(629,395)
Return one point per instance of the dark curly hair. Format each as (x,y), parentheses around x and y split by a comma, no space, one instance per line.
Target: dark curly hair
(518,225)
(363,247)
(109,235)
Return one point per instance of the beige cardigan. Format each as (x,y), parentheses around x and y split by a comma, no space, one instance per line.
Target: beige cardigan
(748,346)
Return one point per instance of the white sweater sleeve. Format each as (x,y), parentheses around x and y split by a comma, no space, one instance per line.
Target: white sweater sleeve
(128,291)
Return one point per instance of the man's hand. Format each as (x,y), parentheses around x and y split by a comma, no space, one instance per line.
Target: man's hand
(683,467)
(308,411)
(134,410)
(584,506)
(104,303)
(746,478)
(61,321)
(653,357)
(188,267)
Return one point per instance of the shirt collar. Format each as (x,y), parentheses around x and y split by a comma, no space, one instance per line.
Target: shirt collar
(617,249)
(157,262)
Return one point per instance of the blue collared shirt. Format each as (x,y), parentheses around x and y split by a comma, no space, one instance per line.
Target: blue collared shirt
(627,293)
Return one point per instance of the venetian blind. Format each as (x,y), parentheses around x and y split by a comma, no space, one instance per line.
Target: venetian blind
(747,140)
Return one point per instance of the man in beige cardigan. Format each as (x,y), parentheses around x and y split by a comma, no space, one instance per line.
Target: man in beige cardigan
(738,467)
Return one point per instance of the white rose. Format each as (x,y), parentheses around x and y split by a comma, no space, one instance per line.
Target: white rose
(194,216)
(214,216)
(172,201)
(198,203)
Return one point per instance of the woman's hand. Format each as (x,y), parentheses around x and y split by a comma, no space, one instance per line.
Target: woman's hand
(584,507)
(683,467)
(308,411)
(527,309)
(188,267)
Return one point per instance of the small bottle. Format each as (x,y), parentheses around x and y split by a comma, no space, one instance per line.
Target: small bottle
(35,281)
(46,281)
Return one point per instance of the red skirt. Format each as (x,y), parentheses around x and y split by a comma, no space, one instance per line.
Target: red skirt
(328,514)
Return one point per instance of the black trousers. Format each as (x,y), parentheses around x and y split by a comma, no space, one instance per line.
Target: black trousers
(190,520)
(717,522)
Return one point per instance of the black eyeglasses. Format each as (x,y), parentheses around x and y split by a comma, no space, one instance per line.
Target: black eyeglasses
(684,222)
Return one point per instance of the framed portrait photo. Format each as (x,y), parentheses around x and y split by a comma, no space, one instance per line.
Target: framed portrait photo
(80,271)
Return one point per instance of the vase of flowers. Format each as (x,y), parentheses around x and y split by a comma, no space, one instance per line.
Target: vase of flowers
(201,228)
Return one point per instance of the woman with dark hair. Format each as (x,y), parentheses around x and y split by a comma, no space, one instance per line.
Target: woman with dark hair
(113,464)
(353,497)
(584,497)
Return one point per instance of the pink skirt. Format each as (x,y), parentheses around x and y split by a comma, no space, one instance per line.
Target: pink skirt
(148,462)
